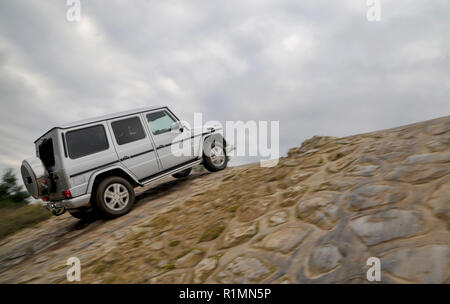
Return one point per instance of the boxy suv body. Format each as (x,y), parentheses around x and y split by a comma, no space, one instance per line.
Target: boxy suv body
(92,166)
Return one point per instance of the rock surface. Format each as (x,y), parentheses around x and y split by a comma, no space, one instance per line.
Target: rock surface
(284,240)
(387,225)
(324,259)
(204,269)
(244,270)
(321,210)
(426,265)
(314,218)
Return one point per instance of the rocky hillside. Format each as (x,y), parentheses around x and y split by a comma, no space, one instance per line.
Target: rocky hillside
(315,218)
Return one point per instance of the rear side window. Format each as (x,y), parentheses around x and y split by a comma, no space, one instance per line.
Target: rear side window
(86,141)
(128,130)
(46,153)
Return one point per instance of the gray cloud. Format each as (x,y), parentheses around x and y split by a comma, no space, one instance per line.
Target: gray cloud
(319,67)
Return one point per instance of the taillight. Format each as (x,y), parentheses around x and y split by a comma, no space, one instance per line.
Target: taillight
(66,194)
(45,199)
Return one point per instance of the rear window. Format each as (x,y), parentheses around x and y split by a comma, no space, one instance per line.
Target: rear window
(86,141)
(46,153)
(128,130)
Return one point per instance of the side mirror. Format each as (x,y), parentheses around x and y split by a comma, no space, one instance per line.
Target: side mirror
(178,126)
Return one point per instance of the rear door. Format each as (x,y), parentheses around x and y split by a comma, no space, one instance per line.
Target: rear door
(174,147)
(134,148)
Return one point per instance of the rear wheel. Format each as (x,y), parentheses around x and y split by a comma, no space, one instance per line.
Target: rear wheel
(183,173)
(84,214)
(114,197)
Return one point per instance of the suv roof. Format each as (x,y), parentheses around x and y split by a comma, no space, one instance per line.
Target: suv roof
(101,118)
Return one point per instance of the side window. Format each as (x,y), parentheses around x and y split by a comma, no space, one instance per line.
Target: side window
(160,122)
(128,130)
(86,141)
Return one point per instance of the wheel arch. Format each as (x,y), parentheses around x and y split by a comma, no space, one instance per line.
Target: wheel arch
(97,177)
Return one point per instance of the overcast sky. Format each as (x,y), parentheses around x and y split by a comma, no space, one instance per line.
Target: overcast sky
(319,67)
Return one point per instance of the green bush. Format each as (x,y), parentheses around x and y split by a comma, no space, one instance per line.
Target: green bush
(10,191)
(15,213)
(14,217)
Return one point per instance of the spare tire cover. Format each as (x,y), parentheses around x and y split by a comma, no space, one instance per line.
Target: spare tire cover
(35,177)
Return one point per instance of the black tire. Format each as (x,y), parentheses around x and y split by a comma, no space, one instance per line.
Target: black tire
(184,173)
(84,214)
(114,207)
(208,161)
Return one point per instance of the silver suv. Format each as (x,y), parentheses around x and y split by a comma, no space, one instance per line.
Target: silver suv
(92,166)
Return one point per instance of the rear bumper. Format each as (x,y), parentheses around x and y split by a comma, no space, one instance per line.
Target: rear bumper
(69,204)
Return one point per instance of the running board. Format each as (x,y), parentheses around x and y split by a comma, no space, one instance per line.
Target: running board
(182,167)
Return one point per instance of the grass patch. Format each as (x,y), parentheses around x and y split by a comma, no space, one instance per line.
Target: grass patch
(190,202)
(100,269)
(338,155)
(151,260)
(216,256)
(211,233)
(15,217)
(137,235)
(158,222)
(234,208)
(110,280)
(184,253)
(170,266)
(137,244)
(174,243)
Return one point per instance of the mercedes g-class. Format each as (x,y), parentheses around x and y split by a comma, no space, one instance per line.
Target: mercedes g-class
(92,166)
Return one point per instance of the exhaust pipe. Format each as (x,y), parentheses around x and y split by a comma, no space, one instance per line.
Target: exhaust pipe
(55,208)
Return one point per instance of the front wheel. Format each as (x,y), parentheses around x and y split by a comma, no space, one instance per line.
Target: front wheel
(114,197)
(214,156)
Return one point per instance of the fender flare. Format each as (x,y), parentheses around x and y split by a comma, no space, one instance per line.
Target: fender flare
(105,170)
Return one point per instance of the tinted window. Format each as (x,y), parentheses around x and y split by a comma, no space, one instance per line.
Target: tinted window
(128,130)
(86,141)
(160,122)
(46,153)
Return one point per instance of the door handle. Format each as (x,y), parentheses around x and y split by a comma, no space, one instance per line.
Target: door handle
(125,158)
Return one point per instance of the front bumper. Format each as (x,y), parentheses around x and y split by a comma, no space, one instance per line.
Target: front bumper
(69,204)
(229,149)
